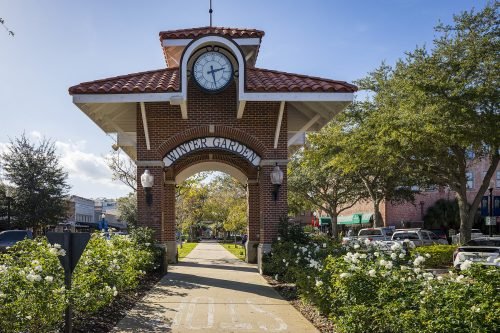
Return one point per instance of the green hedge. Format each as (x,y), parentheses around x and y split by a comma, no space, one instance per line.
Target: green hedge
(440,256)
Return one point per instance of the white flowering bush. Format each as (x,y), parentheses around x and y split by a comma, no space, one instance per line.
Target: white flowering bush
(32,294)
(297,257)
(109,266)
(375,287)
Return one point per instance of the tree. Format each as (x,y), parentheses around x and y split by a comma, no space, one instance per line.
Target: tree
(127,209)
(313,181)
(236,220)
(358,142)
(443,214)
(41,188)
(123,169)
(445,106)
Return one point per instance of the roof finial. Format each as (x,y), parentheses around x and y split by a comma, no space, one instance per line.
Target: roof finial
(210,11)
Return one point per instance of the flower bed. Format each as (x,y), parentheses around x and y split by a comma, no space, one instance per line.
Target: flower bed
(365,288)
(32,293)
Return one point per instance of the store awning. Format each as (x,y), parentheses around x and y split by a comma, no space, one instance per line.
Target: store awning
(325,220)
(358,218)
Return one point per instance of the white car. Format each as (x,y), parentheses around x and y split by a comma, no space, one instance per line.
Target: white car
(485,250)
(419,237)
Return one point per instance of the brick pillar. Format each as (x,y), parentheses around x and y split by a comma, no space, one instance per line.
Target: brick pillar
(270,210)
(169,221)
(253,230)
(151,216)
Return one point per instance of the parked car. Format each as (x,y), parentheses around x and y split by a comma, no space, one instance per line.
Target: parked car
(443,234)
(419,237)
(11,237)
(474,233)
(373,234)
(483,250)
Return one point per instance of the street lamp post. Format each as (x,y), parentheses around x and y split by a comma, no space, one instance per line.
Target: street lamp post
(490,206)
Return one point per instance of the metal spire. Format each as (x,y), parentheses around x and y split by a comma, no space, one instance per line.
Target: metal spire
(210,11)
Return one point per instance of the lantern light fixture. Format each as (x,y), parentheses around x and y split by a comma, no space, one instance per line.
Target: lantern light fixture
(147,181)
(276,180)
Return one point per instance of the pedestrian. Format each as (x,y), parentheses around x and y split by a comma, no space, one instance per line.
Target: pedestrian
(244,240)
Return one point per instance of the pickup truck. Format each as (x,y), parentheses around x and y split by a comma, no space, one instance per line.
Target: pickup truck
(373,234)
(419,237)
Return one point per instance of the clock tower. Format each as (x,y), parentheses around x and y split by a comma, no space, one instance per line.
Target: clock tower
(212,109)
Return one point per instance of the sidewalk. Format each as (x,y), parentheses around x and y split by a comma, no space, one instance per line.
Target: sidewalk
(212,291)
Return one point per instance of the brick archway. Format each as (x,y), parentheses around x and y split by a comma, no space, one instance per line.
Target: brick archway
(265,110)
(240,166)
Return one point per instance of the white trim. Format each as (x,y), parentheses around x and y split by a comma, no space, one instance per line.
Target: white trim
(145,125)
(150,163)
(247,41)
(241,109)
(273,162)
(298,97)
(303,129)
(278,125)
(176,42)
(211,166)
(206,40)
(163,97)
(123,98)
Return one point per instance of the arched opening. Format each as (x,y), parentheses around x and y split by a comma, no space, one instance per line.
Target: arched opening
(212,206)
(216,198)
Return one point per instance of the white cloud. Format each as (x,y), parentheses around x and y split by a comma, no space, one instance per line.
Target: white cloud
(88,173)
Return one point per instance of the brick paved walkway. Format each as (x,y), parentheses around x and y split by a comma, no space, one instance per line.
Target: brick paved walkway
(212,291)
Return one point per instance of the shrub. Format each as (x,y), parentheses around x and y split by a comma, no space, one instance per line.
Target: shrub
(109,266)
(32,294)
(441,256)
(367,287)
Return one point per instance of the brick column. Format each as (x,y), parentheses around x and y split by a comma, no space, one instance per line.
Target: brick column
(169,221)
(151,216)
(270,211)
(253,214)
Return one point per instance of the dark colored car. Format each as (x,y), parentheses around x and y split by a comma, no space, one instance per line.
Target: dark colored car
(11,237)
(443,234)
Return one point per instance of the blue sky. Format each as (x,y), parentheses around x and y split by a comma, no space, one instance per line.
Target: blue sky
(62,43)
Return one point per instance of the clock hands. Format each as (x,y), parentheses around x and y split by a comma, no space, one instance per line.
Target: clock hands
(213,71)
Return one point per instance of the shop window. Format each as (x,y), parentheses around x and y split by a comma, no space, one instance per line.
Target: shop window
(470,180)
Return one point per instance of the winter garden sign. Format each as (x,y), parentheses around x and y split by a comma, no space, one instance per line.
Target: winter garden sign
(212,143)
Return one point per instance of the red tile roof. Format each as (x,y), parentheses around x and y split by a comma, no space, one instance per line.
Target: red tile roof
(265,80)
(167,80)
(195,32)
(158,81)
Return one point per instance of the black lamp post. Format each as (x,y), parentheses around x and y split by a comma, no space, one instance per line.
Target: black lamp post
(8,196)
(147,180)
(276,180)
(490,206)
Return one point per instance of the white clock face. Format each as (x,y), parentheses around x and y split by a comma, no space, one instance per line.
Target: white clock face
(212,71)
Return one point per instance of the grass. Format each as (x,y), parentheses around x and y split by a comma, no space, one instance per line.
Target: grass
(186,249)
(236,249)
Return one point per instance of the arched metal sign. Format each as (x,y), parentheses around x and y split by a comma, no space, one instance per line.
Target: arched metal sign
(212,143)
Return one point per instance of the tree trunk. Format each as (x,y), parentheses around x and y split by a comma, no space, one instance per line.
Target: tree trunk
(334,227)
(378,220)
(466,218)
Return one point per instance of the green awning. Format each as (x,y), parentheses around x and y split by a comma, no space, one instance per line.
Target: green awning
(325,220)
(358,218)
